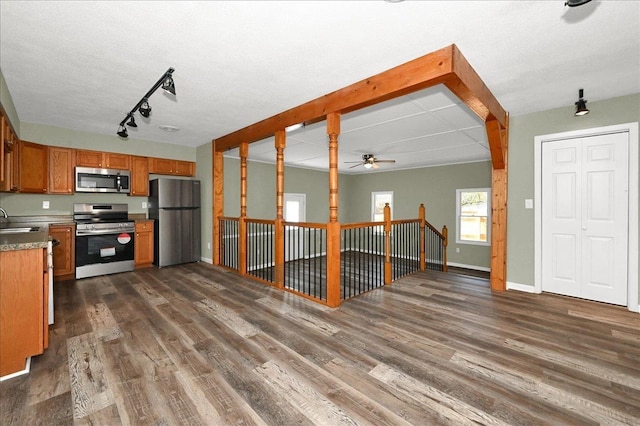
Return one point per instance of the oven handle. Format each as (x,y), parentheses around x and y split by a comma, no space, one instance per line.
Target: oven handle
(83,233)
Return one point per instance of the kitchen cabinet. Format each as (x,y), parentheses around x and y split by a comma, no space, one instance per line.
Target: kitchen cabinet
(166,166)
(64,263)
(10,149)
(143,244)
(139,176)
(34,168)
(61,170)
(24,305)
(103,160)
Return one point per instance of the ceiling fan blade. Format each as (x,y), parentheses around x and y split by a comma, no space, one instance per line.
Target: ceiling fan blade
(385,161)
(375,166)
(347,162)
(356,165)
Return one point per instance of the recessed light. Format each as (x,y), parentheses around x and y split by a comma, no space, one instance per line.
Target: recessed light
(169,129)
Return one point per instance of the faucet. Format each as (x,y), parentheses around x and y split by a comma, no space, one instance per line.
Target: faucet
(4,213)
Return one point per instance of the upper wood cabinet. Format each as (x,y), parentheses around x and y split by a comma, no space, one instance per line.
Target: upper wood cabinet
(34,167)
(61,165)
(104,160)
(165,166)
(139,176)
(9,147)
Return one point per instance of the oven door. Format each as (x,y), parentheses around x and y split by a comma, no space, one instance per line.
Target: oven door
(104,253)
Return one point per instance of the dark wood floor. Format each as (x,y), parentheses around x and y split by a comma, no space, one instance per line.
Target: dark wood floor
(193,344)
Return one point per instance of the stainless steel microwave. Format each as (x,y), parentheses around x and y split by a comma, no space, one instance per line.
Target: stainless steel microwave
(102,180)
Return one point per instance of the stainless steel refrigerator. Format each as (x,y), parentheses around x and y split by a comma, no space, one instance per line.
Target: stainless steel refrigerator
(174,204)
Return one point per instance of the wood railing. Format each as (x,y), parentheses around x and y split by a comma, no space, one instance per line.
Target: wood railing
(297,256)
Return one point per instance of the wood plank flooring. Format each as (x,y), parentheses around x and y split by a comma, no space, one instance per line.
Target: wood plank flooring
(197,345)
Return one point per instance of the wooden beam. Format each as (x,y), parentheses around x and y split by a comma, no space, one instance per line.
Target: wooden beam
(469,87)
(495,139)
(426,71)
(218,202)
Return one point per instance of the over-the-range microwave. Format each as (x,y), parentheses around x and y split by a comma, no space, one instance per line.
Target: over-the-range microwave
(102,180)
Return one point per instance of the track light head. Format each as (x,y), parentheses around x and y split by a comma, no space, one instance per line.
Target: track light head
(132,122)
(169,86)
(581,105)
(122,131)
(145,109)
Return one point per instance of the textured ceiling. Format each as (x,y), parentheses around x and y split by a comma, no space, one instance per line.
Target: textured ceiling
(84,65)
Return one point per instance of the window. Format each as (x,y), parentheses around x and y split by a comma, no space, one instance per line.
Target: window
(473,207)
(378,200)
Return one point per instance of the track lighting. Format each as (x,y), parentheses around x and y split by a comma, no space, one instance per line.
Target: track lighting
(145,109)
(132,122)
(168,85)
(166,81)
(122,131)
(581,105)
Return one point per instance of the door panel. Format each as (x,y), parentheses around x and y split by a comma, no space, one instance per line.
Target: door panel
(585,217)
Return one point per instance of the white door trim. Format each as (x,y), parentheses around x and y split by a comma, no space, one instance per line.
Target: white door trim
(632,129)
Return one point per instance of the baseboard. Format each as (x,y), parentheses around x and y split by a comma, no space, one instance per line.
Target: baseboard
(206,260)
(472,267)
(520,287)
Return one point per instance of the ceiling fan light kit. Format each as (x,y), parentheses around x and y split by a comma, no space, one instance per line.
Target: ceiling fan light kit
(369,161)
(167,84)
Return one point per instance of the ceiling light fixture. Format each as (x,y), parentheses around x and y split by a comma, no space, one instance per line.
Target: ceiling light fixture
(293,127)
(132,122)
(166,82)
(574,3)
(581,105)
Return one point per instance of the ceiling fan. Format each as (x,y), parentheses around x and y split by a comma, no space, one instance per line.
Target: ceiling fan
(369,161)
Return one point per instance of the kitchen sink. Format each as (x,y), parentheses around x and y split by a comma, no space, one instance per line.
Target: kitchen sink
(19,230)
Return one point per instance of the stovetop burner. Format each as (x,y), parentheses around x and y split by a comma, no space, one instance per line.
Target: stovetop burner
(102,217)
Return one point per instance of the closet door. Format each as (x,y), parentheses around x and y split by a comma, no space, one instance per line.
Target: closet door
(585,217)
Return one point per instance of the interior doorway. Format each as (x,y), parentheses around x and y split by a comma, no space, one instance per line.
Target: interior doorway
(295,210)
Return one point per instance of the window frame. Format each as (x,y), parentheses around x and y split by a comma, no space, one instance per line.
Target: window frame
(459,216)
(374,194)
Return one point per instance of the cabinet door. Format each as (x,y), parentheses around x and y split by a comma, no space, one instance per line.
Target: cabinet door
(63,253)
(144,244)
(34,167)
(61,164)
(116,161)
(161,166)
(3,136)
(139,176)
(86,158)
(185,168)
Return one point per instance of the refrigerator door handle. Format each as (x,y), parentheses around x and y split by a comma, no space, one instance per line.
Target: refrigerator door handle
(179,208)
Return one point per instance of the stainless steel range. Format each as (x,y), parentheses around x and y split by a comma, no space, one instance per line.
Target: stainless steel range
(104,239)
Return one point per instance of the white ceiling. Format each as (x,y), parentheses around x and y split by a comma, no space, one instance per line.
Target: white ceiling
(84,65)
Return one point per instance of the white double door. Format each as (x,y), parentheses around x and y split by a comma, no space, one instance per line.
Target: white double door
(585,223)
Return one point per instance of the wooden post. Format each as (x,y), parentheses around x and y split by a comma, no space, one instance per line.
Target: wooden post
(218,201)
(388,276)
(242,222)
(498,136)
(333,227)
(422,217)
(445,234)
(280,144)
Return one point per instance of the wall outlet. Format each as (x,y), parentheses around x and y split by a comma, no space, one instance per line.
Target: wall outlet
(528,203)
(45,204)
(457,249)
(208,246)
(144,204)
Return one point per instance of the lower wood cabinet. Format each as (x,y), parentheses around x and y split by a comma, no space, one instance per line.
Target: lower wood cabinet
(24,305)
(144,244)
(64,263)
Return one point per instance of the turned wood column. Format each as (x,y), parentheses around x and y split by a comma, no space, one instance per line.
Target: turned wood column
(388,275)
(422,217)
(280,144)
(242,224)
(333,227)
(218,201)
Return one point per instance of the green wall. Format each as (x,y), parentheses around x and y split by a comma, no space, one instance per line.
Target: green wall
(522,131)
(433,186)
